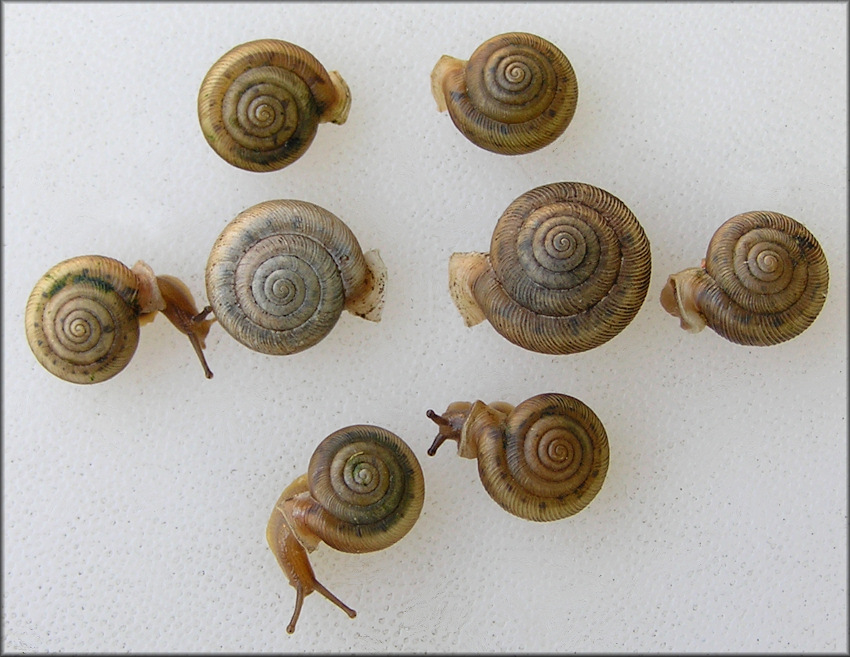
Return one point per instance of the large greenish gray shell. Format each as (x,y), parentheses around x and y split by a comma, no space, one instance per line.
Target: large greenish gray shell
(280,274)
(260,104)
(82,319)
(369,486)
(516,94)
(551,460)
(570,268)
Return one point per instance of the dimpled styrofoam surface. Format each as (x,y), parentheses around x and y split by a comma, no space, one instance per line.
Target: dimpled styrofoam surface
(134,511)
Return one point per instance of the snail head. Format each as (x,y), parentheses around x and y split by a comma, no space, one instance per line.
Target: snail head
(450,424)
(680,298)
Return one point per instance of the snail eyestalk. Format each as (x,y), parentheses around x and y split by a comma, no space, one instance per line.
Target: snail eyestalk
(447,431)
(181,311)
(299,602)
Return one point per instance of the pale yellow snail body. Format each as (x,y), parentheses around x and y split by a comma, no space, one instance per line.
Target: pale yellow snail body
(281,273)
(516,94)
(568,269)
(260,104)
(764,280)
(363,491)
(544,460)
(83,316)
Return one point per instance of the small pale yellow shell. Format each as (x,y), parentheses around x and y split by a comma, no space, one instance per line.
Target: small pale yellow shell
(82,319)
(83,316)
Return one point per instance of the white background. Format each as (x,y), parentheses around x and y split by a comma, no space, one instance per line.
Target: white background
(135,510)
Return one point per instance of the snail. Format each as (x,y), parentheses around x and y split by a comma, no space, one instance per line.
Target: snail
(544,460)
(261,103)
(763,281)
(568,269)
(280,274)
(516,94)
(362,492)
(83,316)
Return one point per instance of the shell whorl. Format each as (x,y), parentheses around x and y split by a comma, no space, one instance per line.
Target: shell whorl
(369,489)
(280,274)
(568,269)
(516,94)
(260,104)
(764,281)
(82,318)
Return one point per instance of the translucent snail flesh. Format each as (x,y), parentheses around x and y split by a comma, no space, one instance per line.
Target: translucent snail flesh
(260,104)
(363,491)
(83,316)
(516,94)
(763,281)
(544,460)
(280,274)
(568,269)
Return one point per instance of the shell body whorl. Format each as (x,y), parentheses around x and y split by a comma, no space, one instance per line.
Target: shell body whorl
(368,487)
(260,104)
(516,94)
(568,269)
(544,460)
(764,281)
(280,274)
(82,319)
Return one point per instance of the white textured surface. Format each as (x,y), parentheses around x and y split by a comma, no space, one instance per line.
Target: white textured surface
(135,511)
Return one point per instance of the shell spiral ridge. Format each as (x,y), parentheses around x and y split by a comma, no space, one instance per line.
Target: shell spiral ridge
(547,461)
(764,281)
(369,487)
(280,274)
(260,104)
(569,268)
(516,94)
(82,319)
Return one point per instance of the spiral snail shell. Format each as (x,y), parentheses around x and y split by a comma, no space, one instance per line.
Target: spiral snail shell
(280,274)
(568,269)
(83,316)
(516,94)
(362,492)
(261,103)
(544,460)
(763,281)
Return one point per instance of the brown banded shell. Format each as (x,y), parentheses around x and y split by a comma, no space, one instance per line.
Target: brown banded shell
(568,269)
(280,274)
(544,460)
(516,94)
(260,104)
(82,319)
(363,491)
(764,281)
